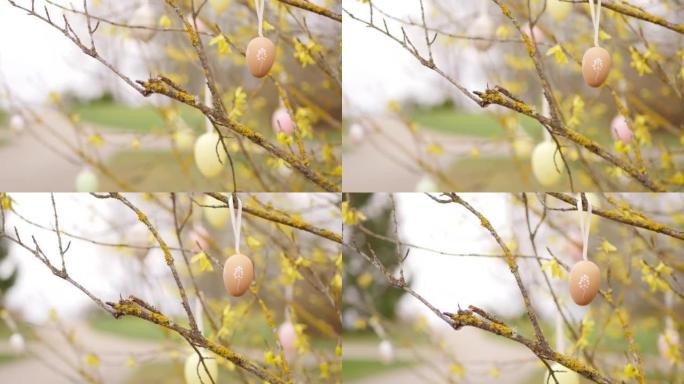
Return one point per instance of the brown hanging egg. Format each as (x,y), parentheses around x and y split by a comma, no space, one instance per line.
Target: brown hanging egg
(238,273)
(596,66)
(260,56)
(585,281)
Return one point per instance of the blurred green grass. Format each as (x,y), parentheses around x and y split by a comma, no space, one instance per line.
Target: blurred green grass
(172,373)
(144,119)
(354,369)
(447,119)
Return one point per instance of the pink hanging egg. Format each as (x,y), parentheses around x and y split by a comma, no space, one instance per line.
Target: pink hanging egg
(199,239)
(620,130)
(287,337)
(668,342)
(282,122)
(536,33)
(596,64)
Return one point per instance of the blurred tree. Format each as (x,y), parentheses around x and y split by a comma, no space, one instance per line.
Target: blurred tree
(6,282)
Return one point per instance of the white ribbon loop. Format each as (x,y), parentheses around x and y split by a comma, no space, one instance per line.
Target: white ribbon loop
(585,224)
(595,11)
(236,220)
(259,6)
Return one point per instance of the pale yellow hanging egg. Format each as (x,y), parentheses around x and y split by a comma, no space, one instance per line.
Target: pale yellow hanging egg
(558,10)
(87,181)
(596,64)
(562,374)
(210,155)
(546,163)
(584,281)
(260,56)
(216,216)
(196,373)
(238,273)
(482,31)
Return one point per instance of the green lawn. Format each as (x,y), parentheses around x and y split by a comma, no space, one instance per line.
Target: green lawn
(172,373)
(448,120)
(129,327)
(139,119)
(353,369)
(3,119)
(4,359)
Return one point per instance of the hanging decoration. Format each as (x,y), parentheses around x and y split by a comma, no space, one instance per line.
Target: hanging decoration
(481,29)
(668,341)
(585,276)
(194,371)
(17,123)
(216,216)
(260,52)
(210,155)
(87,181)
(596,61)
(282,122)
(618,127)
(143,22)
(286,332)
(238,271)
(558,10)
(547,162)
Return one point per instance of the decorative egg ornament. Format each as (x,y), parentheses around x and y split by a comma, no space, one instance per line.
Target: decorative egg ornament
(216,216)
(86,181)
(562,374)
(210,155)
(596,64)
(386,352)
(620,130)
(17,343)
(668,344)
(287,337)
(199,238)
(535,33)
(356,133)
(282,122)
(427,184)
(196,373)
(17,123)
(585,281)
(558,10)
(260,56)
(238,273)
(546,163)
(143,17)
(482,30)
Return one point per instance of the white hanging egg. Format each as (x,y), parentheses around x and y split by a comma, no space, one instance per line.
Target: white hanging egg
(287,337)
(562,374)
(260,55)
(427,184)
(216,216)
(596,64)
(356,133)
(196,373)
(210,156)
(17,123)
(144,16)
(546,163)
(282,122)
(482,29)
(86,181)
(17,343)
(584,281)
(238,273)
(386,352)
(558,10)
(138,236)
(620,130)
